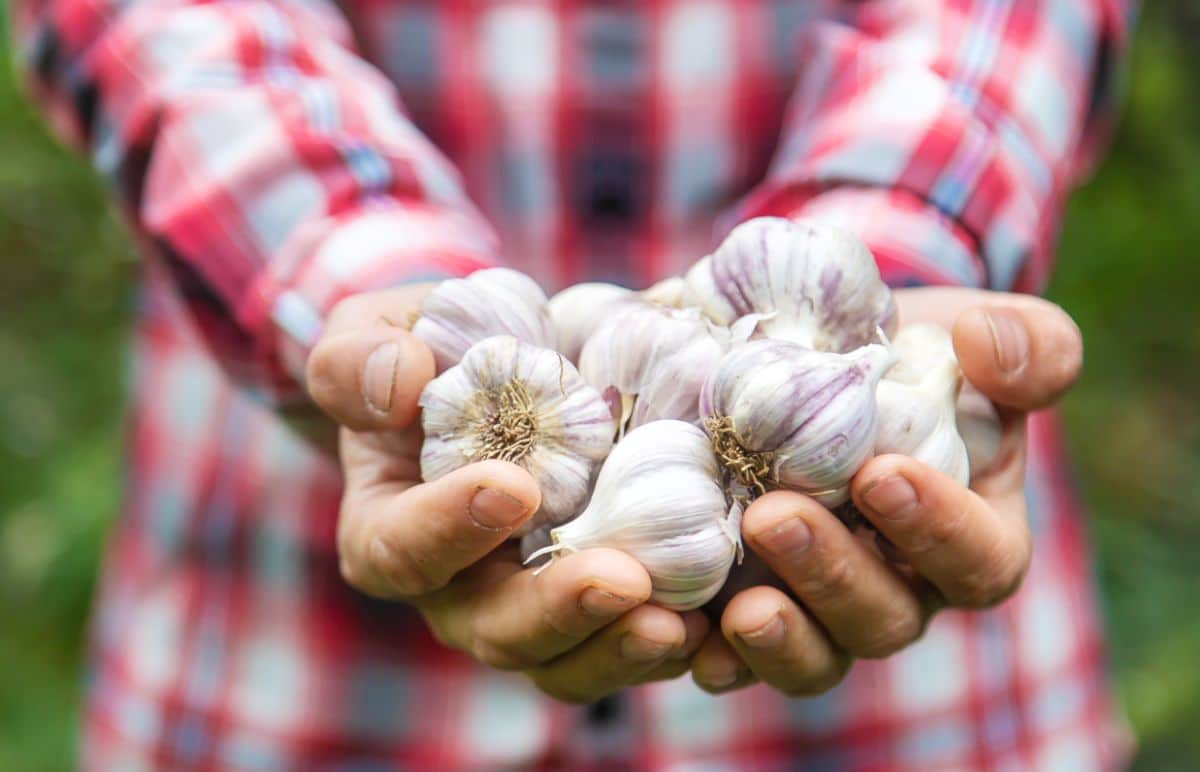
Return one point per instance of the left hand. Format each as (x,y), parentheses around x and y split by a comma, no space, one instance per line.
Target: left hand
(963,548)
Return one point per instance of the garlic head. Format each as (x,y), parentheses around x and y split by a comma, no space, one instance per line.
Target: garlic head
(658,499)
(650,361)
(459,313)
(578,310)
(516,402)
(809,283)
(784,416)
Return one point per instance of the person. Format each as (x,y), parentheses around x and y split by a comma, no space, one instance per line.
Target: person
(297,175)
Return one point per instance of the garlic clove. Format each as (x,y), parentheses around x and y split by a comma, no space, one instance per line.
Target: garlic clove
(578,310)
(459,313)
(784,416)
(814,284)
(516,402)
(656,358)
(980,428)
(916,423)
(916,401)
(658,499)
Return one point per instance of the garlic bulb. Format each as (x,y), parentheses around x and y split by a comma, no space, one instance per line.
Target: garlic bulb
(577,311)
(916,402)
(783,416)
(515,402)
(811,284)
(459,313)
(979,426)
(651,361)
(658,500)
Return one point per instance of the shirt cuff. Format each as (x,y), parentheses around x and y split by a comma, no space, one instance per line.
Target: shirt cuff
(914,244)
(383,246)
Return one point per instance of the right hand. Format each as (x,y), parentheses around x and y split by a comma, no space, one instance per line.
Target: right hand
(580,629)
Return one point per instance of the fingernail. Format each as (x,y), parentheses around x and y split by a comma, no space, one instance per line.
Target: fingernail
(601,603)
(496,509)
(641,649)
(891,497)
(1009,338)
(788,539)
(768,636)
(379,376)
(721,679)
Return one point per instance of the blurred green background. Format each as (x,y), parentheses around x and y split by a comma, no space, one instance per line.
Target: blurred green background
(1127,272)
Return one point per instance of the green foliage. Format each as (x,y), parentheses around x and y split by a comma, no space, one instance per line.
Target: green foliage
(1126,273)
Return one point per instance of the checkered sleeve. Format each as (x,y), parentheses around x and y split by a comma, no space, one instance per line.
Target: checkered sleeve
(257,155)
(948,132)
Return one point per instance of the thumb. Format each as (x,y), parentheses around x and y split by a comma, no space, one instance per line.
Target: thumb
(1024,354)
(366,371)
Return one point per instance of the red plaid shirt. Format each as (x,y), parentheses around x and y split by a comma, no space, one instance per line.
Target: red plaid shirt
(262,153)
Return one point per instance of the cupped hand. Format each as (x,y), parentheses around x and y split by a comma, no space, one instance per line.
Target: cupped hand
(958,547)
(580,629)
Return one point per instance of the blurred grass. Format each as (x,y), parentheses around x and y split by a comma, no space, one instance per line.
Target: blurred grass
(1127,273)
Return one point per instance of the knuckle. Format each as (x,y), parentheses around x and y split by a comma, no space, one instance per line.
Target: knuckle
(409,574)
(990,585)
(348,310)
(938,533)
(500,657)
(894,634)
(829,580)
(563,692)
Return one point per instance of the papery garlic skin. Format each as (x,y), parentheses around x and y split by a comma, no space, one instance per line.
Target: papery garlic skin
(578,310)
(980,428)
(658,499)
(655,358)
(459,313)
(812,284)
(783,416)
(916,400)
(512,401)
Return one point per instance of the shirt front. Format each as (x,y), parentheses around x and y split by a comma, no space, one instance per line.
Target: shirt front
(274,156)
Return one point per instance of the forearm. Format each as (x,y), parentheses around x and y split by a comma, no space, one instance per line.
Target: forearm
(949,133)
(256,155)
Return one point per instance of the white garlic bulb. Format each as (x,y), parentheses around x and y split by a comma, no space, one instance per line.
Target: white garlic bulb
(515,402)
(979,426)
(459,313)
(658,500)
(783,416)
(916,401)
(651,361)
(578,310)
(808,283)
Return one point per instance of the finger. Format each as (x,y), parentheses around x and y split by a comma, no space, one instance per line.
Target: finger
(864,605)
(369,380)
(616,657)
(398,542)
(781,644)
(717,668)
(698,630)
(974,553)
(1021,355)
(532,616)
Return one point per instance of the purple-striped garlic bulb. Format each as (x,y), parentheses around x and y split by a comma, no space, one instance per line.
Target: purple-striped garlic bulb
(659,499)
(650,361)
(515,402)
(459,313)
(782,416)
(805,282)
